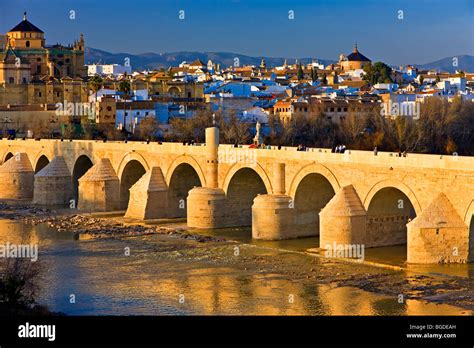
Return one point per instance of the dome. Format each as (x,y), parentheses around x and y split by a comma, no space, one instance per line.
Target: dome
(357,56)
(26,26)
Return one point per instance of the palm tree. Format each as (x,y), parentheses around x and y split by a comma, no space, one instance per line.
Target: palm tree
(125,88)
(95,84)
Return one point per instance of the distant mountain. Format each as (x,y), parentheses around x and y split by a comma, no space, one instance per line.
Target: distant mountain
(152,60)
(164,60)
(465,63)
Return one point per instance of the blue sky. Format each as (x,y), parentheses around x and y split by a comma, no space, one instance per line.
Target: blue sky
(429,30)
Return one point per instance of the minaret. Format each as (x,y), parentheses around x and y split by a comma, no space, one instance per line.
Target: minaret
(263,65)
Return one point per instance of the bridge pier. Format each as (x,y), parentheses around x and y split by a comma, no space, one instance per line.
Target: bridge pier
(439,235)
(273,214)
(99,188)
(343,220)
(53,184)
(149,197)
(206,206)
(17,178)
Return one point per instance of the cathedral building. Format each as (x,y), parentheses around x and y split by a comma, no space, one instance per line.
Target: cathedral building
(32,72)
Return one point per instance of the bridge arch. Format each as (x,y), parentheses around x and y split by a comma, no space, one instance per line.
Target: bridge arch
(389,208)
(7,156)
(184,178)
(469,219)
(391,183)
(40,162)
(314,168)
(312,194)
(132,156)
(469,213)
(80,167)
(186,159)
(242,184)
(130,173)
(257,168)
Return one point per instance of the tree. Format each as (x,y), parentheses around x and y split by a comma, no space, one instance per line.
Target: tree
(377,73)
(124,87)
(147,128)
(235,131)
(300,72)
(314,74)
(324,80)
(95,84)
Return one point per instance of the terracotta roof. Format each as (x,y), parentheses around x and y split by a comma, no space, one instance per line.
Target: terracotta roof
(197,62)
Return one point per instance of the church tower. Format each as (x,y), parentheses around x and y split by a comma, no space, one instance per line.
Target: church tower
(25,35)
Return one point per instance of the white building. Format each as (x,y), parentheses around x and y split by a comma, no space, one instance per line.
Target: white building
(108,69)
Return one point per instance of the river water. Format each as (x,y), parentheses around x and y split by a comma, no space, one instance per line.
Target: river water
(157,279)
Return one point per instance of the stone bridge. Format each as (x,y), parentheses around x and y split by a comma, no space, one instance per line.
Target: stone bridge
(425,201)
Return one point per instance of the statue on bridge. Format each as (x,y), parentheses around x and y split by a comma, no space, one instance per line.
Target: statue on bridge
(257,140)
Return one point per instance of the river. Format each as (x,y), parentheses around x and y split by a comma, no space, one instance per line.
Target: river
(165,276)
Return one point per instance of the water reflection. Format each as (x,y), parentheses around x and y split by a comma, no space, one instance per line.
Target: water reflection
(106,282)
(390,255)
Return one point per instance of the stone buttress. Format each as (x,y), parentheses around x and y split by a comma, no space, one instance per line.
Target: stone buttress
(99,188)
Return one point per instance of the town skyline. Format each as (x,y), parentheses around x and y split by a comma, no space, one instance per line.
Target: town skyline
(388,36)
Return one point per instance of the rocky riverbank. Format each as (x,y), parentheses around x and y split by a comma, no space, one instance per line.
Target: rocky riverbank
(85,225)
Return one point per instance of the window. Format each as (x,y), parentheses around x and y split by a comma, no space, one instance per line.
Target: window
(38,59)
(39,94)
(38,69)
(109,108)
(339,109)
(11,80)
(27,44)
(24,81)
